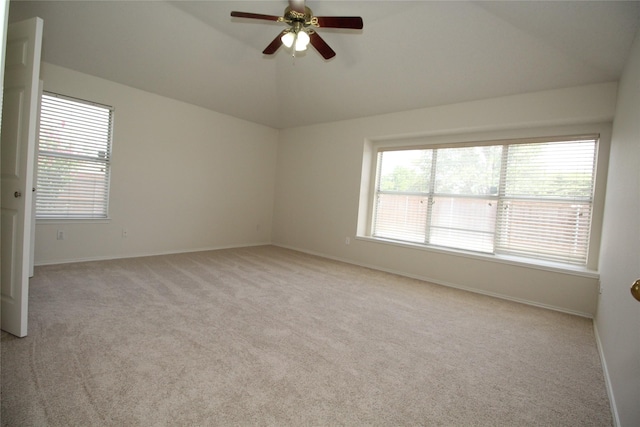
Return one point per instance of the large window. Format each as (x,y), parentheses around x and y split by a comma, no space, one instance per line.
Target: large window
(525,198)
(74,159)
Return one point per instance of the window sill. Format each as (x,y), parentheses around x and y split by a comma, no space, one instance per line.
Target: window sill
(502,259)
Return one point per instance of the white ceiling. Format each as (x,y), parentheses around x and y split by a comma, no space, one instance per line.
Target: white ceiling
(410,54)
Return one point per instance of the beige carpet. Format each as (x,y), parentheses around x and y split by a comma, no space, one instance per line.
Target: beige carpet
(268,336)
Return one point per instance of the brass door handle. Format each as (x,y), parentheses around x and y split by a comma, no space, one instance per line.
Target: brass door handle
(635,289)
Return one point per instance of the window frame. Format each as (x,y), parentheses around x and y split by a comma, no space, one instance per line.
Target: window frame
(105,158)
(491,137)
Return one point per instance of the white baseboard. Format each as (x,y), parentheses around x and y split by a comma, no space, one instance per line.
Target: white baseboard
(443,283)
(348,261)
(146,254)
(607,379)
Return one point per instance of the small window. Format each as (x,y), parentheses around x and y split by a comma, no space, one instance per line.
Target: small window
(74,159)
(529,199)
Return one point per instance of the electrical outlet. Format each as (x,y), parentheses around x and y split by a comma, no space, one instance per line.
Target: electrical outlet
(347,241)
(125,233)
(60,235)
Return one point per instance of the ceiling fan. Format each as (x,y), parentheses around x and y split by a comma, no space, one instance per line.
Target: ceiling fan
(300,32)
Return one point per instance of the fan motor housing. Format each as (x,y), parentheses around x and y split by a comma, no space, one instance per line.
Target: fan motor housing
(294,16)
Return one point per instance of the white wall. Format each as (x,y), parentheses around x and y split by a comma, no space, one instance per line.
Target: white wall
(183,178)
(618,317)
(319,181)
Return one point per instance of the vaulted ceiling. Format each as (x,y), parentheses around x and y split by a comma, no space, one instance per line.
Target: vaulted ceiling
(410,54)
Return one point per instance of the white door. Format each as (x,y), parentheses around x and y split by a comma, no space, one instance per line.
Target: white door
(19,116)
(32,244)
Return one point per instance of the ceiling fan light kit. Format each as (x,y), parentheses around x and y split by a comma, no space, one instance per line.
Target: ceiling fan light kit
(299,40)
(298,36)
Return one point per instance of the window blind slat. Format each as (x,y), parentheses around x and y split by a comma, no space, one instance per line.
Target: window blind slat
(73,159)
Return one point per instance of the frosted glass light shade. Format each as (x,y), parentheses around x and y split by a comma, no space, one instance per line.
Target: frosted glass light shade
(301,40)
(288,39)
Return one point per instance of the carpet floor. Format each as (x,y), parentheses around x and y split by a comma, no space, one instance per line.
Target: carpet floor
(270,336)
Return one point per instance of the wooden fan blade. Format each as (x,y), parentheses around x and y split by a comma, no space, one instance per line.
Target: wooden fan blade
(297,5)
(352,22)
(275,44)
(321,46)
(254,16)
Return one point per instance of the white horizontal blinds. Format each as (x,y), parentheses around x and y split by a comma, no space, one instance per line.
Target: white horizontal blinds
(528,198)
(402,189)
(465,197)
(546,203)
(73,159)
